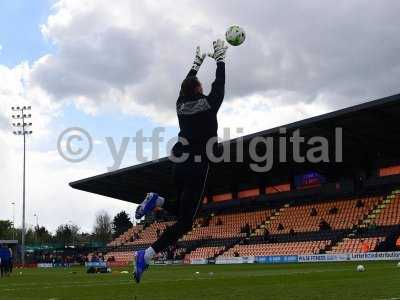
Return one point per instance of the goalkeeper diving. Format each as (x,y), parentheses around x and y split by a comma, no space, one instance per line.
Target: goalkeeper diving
(197,116)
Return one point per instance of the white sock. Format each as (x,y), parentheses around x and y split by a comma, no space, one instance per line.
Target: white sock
(149,254)
(160,201)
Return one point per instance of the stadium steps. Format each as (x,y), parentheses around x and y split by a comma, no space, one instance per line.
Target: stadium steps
(368,220)
(227,247)
(256,231)
(276,213)
(334,242)
(189,249)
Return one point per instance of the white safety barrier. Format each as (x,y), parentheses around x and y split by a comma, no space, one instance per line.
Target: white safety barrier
(370,256)
(199,261)
(275,259)
(45,265)
(234,260)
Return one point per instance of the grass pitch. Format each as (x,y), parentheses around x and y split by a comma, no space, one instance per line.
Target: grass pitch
(292,281)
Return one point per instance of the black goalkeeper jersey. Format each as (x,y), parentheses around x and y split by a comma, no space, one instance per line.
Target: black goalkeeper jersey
(198,115)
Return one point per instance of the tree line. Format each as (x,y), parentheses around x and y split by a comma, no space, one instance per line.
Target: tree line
(104,230)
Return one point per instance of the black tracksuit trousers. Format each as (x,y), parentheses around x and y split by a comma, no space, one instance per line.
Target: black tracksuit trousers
(190,179)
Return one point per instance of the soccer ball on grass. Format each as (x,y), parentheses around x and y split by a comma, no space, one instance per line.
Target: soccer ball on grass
(360,268)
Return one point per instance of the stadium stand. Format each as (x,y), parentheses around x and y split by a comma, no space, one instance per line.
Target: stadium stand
(311,247)
(228,225)
(390,211)
(120,256)
(203,252)
(357,245)
(351,206)
(149,234)
(339,214)
(255,231)
(128,236)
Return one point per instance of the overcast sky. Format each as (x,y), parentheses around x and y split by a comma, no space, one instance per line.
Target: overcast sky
(114,67)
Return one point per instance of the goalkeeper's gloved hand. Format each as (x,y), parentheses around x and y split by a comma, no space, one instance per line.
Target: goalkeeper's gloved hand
(219,50)
(198,59)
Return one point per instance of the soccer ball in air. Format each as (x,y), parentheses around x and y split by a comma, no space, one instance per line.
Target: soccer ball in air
(235,35)
(360,268)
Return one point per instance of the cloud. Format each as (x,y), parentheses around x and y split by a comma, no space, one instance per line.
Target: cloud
(17,89)
(95,65)
(257,113)
(133,55)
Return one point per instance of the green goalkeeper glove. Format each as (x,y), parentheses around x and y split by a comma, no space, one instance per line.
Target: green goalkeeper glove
(219,50)
(198,59)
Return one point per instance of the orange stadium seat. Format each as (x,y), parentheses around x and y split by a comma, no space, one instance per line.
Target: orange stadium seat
(299,218)
(204,252)
(309,247)
(390,215)
(357,245)
(231,225)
